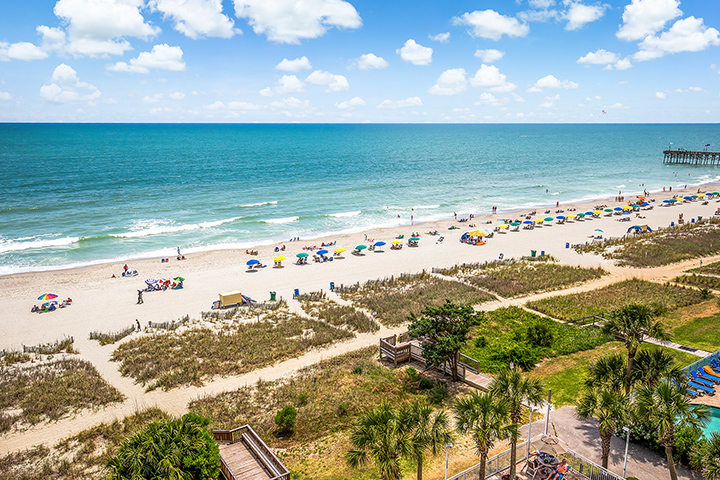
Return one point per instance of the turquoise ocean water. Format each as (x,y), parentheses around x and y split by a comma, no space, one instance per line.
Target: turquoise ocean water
(78,194)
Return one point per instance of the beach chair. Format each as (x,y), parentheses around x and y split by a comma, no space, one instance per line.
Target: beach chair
(699,380)
(710,374)
(701,388)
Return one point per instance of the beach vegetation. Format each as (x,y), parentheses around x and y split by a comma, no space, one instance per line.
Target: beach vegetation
(709,269)
(286,419)
(429,430)
(65,345)
(516,278)
(662,247)
(199,352)
(45,390)
(171,448)
(706,456)
(445,329)
(662,297)
(393,299)
(708,282)
(316,304)
(111,337)
(608,407)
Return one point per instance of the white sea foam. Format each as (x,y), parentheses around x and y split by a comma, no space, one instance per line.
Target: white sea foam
(17,245)
(145,228)
(426,207)
(259,204)
(282,220)
(346,214)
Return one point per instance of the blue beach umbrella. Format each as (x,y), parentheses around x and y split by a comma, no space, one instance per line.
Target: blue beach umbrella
(667,201)
(379,244)
(589,214)
(527,222)
(322,252)
(687,197)
(560,217)
(618,209)
(598,230)
(644,204)
(252,262)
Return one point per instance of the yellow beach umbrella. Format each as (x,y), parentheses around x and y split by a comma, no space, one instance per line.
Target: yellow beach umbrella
(597,212)
(627,207)
(340,250)
(504,225)
(702,195)
(476,232)
(278,259)
(396,242)
(539,220)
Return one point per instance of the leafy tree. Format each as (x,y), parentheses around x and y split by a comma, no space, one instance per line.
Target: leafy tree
(427,431)
(485,416)
(517,390)
(707,457)
(446,328)
(181,449)
(666,406)
(652,365)
(380,436)
(286,419)
(633,323)
(609,407)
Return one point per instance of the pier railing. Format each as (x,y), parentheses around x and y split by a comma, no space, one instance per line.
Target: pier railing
(687,157)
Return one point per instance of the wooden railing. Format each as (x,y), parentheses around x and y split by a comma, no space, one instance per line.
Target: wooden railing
(257,449)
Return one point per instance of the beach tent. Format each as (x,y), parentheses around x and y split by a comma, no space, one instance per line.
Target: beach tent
(638,229)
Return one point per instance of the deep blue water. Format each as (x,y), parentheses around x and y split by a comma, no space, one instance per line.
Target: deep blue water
(75,194)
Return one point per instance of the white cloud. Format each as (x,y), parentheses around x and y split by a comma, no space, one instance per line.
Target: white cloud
(660,95)
(290,103)
(266,92)
(550,102)
(450,82)
(488,77)
(66,87)
(590,99)
(490,100)
(539,15)
(623,64)
(162,57)
(289,84)
(21,51)
(686,35)
(232,106)
(541,3)
(5,96)
(335,83)
(490,55)
(177,96)
(415,53)
(196,18)
(159,110)
(53,39)
(350,104)
(599,57)
(153,98)
(645,17)
(440,37)
(369,61)
(517,98)
(491,25)
(296,65)
(289,21)
(619,106)
(551,82)
(579,15)
(408,102)
(96,28)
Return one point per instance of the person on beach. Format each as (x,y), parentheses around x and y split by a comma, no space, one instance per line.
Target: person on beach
(178,250)
(137,322)
(140,299)
(125,268)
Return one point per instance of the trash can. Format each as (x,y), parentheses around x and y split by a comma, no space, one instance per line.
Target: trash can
(533,253)
(272,296)
(699,218)
(296,293)
(332,286)
(567,244)
(542,253)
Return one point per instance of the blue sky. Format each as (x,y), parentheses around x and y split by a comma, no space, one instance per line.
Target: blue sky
(331,61)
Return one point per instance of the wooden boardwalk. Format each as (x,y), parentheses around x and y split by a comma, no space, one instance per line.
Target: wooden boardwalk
(244,456)
(687,157)
(241,463)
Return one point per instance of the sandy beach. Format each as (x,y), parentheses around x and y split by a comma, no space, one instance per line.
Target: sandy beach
(106,304)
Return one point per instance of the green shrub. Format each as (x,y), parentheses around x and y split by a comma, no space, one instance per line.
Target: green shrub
(286,419)
(539,334)
(357,370)
(439,393)
(519,353)
(302,399)
(425,384)
(481,341)
(343,408)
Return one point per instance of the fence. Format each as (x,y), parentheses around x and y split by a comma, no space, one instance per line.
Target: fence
(702,362)
(50,348)
(169,325)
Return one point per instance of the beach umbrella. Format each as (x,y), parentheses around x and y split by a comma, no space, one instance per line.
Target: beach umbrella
(252,261)
(694,196)
(580,215)
(301,255)
(688,197)
(515,224)
(414,239)
(644,204)
(572,215)
(179,279)
(527,222)
(474,232)
(588,214)
(379,244)
(279,258)
(608,210)
(702,195)
(560,217)
(715,193)
(673,200)
(504,225)
(597,212)
(361,247)
(598,230)
(322,252)
(640,196)
(636,205)
(47,296)
(151,281)
(549,444)
(667,201)
(627,207)
(618,209)
(549,219)
(539,220)
(396,242)
(340,250)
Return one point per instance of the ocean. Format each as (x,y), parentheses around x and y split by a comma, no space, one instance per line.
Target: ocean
(81,194)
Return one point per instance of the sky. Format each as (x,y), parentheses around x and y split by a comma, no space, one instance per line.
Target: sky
(360,61)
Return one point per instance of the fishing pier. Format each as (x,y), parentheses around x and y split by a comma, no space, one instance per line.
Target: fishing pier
(687,157)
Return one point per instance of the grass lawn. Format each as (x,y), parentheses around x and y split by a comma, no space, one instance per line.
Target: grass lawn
(606,299)
(702,333)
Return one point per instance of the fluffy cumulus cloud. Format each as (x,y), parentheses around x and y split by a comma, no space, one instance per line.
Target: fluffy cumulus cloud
(66,87)
(350,104)
(660,95)
(491,25)
(415,53)
(21,51)
(646,17)
(288,84)
(232,106)
(97,27)
(686,35)
(5,96)
(488,77)
(335,83)
(196,18)
(369,61)
(408,102)
(551,82)
(296,65)
(290,103)
(451,82)
(440,37)
(177,96)
(289,21)
(599,57)
(490,55)
(623,64)
(488,99)
(550,102)
(161,57)
(578,15)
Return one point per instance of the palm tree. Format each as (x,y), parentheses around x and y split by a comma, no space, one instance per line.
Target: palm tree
(707,458)
(609,407)
(485,417)
(427,431)
(608,371)
(652,365)
(666,406)
(517,391)
(633,323)
(380,436)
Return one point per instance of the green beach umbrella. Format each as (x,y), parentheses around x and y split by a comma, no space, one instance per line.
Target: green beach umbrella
(549,219)
(179,279)
(608,209)
(361,247)
(414,239)
(580,215)
(515,224)
(301,255)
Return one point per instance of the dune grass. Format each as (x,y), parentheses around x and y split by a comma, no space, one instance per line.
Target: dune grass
(512,279)
(318,305)
(700,281)
(709,269)
(201,352)
(603,300)
(49,390)
(395,298)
